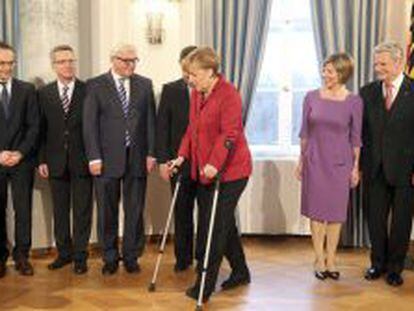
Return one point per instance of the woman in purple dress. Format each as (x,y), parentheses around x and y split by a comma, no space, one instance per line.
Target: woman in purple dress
(328,165)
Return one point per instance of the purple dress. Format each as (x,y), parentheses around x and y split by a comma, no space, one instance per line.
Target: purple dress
(332,129)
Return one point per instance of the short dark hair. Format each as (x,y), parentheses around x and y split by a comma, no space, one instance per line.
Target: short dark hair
(186,51)
(5,46)
(60,48)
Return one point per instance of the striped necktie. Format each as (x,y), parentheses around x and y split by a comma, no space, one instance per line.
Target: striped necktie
(65,100)
(5,100)
(125,107)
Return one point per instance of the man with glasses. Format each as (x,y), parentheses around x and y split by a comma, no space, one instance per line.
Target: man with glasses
(19,127)
(63,161)
(119,121)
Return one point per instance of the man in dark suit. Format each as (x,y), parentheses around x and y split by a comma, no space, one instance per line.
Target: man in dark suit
(19,128)
(119,130)
(172,121)
(388,162)
(63,160)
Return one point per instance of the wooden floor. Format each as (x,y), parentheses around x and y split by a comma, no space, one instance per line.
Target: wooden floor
(281,280)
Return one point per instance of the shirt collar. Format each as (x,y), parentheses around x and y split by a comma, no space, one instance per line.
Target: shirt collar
(396,83)
(117,77)
(70,85)
(8,84)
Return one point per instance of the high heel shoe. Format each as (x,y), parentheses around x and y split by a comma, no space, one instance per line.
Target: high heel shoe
(320,275)
(334,275)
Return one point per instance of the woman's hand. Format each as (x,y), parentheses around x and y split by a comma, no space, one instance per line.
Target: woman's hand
(209,171)
(355,176)
(174,165)
(299,170)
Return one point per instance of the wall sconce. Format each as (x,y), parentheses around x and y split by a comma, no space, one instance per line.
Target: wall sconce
(155,31)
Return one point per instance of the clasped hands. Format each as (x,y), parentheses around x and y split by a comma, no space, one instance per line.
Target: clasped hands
(10,158)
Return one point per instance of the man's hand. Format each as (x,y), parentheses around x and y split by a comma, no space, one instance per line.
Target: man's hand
(43,170)
(164,172)
(209,171)
(95,168)
(5,157)
(10,158)
(151,162)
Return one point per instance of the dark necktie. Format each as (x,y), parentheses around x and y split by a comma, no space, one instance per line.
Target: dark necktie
(5,100)
(65,100)
(125,107)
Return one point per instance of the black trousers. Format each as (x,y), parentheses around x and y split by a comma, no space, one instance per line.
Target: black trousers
(226,240)
(76,192)
(389,245)
(184,220)
(108,191)
(21,181)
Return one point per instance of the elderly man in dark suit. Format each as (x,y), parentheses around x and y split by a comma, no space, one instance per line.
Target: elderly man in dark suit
(119,129)
(172,121)
(19,128)
(63,161)
(388,162)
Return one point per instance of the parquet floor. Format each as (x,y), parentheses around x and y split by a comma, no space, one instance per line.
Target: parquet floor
(282,280)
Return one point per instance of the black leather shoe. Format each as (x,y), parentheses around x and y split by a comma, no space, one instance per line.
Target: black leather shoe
(373,273)
(180,267)
(334,275)
(235,281)
(132,267)
(110,268)
(24,267)
(80,267)
(2,269)
(394,279)
(59,263)
(193,292)
(320,275)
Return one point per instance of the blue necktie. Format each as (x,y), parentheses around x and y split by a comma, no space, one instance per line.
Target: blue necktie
(125,105)
(5,100)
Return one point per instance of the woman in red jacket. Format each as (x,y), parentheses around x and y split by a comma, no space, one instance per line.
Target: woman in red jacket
(215,124)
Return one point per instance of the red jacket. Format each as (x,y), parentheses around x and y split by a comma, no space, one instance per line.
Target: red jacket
(212,122)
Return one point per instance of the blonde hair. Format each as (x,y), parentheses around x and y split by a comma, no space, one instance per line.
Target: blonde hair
(205,58)
(343,64)
(393,48)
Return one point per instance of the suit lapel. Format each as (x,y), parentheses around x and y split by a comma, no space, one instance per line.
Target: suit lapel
(399,101)
(15,98)
(75,97)
(55,98)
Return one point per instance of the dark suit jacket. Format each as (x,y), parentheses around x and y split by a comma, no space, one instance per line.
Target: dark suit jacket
(104,125)
(20,131)
(61,142)
(172,120)
(388,136)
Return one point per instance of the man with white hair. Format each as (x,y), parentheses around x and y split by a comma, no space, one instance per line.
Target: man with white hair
(118,127)
(388,162)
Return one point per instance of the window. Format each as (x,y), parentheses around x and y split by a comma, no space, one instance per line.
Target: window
(289,70)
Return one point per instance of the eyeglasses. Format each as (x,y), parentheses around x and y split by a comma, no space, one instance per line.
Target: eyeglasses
(128,61)
(65,61)
(9,64)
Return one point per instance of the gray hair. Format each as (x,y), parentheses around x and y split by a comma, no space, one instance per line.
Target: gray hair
(120,48)
(393,48)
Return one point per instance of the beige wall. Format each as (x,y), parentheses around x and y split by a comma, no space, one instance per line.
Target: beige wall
(271,201)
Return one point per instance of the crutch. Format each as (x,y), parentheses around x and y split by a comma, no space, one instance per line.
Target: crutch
(151,287)
(228,144)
